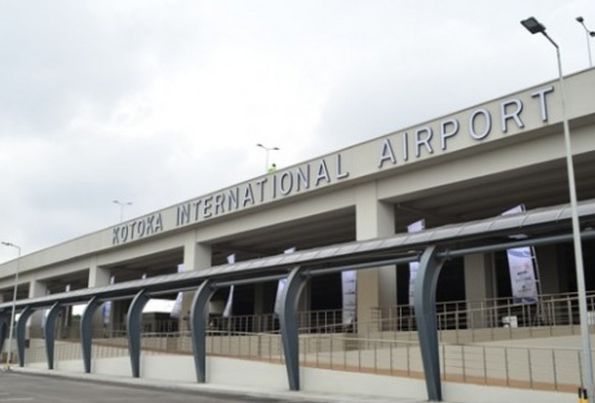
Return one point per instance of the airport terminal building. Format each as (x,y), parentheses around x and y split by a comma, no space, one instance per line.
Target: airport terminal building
(470,165)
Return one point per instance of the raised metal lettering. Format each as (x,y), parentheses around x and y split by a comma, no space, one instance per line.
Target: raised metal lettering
(543,101)
(322,173)
(340,173)
(425,141)
(387,153)
(286,183)
(487,127)
(505,115)
(445,133)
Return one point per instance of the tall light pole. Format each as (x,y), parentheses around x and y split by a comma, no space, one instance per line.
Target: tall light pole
(535,27)
(14,301)
(589,34)
(122,205)
(267,150)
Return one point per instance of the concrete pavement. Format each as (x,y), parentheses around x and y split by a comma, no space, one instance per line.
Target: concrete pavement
(36,386)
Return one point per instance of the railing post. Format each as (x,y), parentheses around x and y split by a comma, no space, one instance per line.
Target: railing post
(554,369)
(289,330)
(425,315)
(134,322)
(199,317)
(49,331)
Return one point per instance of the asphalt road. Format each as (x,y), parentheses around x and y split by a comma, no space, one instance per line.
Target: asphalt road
(15,387)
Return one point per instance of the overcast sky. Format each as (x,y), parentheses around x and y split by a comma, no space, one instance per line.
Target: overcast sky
(156,102)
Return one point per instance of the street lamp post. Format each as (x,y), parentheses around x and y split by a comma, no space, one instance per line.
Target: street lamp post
(589,34)
(14,301)
(122,205)
(267,150)
(534,27)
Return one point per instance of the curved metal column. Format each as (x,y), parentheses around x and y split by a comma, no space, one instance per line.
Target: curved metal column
(289,326)
(4,319)
(21,330)
(87,332)
(49,333)
(425,315)
(199,317)
(134,322)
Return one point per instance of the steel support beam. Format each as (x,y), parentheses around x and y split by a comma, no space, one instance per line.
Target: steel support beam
(199,317)
(87,332)
(289,325)
(134,322)
(21,330)
(424,297)
(4,324)
(49,332)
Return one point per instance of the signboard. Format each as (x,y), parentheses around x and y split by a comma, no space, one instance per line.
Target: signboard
(522,269)
(481,124)
(349,290)
(107,307)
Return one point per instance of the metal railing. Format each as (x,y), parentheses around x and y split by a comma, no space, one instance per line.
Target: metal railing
(458,322)
(488,320)
(556,369)
(320,321)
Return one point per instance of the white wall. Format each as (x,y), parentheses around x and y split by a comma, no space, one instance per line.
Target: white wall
(272,377)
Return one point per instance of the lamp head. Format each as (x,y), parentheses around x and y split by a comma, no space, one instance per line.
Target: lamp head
(580,19)
(592,33)
(533,25)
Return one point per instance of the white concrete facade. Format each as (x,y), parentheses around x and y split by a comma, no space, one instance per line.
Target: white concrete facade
(446,170)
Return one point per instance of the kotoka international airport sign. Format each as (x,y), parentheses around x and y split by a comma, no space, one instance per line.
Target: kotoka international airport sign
(488,122)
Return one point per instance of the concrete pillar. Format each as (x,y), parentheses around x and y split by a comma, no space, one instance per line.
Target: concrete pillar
(550,276)
(36,289)
(99,277)
(197,256)
(480,284)
(375,287)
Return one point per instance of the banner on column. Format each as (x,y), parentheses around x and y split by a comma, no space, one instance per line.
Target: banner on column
(349,288)
(107,307)
(176,309)
(414,227)
(231,259)
(281,286)
(522,269)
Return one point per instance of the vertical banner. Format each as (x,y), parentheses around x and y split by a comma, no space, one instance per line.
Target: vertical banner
(107,307)
(281,286)
(414,227)
(349,289)
(176,308)
(231,259)
(522,269)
